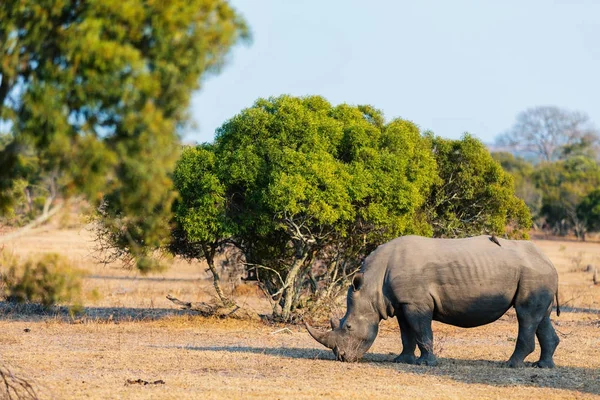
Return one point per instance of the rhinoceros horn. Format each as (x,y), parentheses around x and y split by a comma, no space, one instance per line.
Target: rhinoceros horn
(327,339)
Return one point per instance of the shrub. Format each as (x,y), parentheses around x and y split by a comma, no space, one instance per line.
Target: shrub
(47,280)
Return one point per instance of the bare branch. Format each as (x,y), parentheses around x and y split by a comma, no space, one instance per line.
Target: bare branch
(14,387)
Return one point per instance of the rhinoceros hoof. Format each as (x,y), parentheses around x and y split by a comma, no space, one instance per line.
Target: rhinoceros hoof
(544,364)
(405,359)
(515,364)
(429,361)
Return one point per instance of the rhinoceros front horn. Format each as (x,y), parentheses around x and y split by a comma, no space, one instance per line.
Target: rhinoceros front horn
(327,339)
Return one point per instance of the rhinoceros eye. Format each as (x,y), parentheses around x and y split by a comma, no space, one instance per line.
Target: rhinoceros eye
(348,326)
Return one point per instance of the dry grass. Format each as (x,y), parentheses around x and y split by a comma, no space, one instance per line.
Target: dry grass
(130,331)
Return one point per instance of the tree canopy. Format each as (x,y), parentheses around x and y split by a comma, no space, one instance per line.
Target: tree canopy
(96,92)
(473,194)
(302,180)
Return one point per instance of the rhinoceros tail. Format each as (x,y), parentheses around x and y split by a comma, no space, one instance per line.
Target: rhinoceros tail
(557,305)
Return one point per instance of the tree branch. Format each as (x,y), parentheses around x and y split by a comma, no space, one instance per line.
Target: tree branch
(33,224)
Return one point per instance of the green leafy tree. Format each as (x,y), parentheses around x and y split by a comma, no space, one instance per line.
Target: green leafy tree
(97,91)
(307,181)
(565,184)
(588,211)
(473,194)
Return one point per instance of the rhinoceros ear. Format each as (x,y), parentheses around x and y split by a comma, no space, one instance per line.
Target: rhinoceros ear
(335,323)
(357,281)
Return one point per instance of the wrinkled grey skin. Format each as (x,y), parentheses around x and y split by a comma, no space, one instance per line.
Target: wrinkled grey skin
(462,282)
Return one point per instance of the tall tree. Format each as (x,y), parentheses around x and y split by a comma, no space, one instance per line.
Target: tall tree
(98,89)
(307,181)
(550,133)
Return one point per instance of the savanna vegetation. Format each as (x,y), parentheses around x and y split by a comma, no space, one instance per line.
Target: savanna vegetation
(292,194)
(297,189)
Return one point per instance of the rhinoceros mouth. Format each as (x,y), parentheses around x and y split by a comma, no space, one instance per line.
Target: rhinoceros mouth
(339,356)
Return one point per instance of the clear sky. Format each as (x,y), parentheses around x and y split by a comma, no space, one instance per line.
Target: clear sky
(449,66)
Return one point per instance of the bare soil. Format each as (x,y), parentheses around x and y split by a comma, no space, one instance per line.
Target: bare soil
(131,342)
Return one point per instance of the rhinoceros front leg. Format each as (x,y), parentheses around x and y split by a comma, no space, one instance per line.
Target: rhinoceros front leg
(548,342)
(409,342)
(419,320)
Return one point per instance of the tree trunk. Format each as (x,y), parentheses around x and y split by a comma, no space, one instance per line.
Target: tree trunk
(579,231)
(29,199)
(209,254)
(290,282)
(5,87)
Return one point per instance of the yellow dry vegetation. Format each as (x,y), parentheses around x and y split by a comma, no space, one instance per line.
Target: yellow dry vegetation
(130,334)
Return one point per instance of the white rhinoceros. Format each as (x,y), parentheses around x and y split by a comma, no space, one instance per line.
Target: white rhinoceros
(462,282)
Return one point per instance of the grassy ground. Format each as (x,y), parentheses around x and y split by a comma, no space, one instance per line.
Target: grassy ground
(132,332)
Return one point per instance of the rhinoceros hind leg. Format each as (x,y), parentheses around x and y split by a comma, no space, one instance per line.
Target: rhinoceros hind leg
(548,343)
(409,341)
(419,321)
(529,320)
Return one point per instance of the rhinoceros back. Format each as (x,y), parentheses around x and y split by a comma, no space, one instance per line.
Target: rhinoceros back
(466,282)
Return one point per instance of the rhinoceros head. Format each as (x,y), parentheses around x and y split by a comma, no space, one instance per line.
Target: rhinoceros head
(354,334)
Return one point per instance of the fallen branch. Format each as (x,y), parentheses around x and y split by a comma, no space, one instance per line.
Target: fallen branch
(216,310)
(14,387)
(143,382)
(38,221)
(283,330)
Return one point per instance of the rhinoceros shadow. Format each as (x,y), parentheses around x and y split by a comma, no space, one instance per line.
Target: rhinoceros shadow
(466,371)
(34,312)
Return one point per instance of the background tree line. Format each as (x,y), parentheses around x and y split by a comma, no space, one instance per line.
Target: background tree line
(556,169)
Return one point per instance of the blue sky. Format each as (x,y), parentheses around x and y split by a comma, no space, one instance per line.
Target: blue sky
(449,66)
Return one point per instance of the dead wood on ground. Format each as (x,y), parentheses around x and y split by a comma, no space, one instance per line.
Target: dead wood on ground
(216,310)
